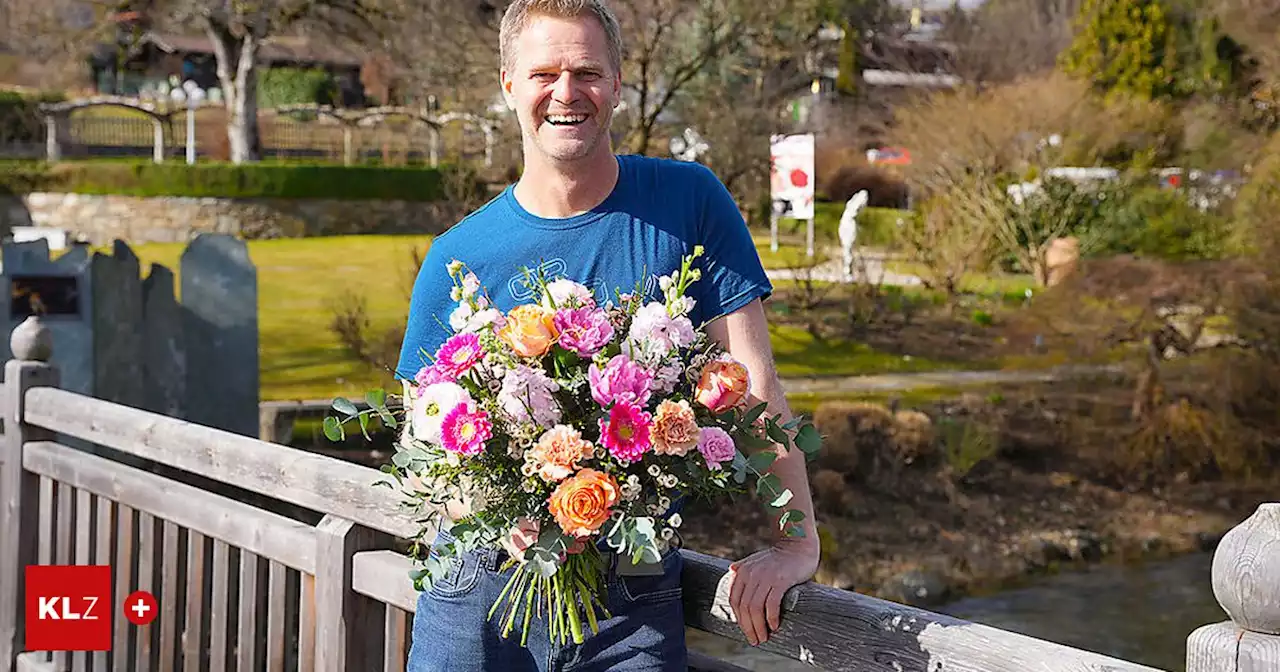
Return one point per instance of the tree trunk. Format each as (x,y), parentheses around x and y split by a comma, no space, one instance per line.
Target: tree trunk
(238,73)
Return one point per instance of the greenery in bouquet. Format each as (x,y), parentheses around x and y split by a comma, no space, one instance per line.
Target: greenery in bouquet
(581,425)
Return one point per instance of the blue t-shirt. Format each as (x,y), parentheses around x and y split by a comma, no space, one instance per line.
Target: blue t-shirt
(658,211)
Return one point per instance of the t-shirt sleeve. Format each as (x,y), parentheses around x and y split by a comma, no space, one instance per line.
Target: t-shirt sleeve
(429,305)
(732,273)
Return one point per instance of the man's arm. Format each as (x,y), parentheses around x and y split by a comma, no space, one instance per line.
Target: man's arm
(761,579)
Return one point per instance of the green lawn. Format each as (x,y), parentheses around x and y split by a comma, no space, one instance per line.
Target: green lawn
(298,280)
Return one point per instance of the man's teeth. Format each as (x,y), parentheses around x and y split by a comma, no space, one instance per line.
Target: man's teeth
(566,118)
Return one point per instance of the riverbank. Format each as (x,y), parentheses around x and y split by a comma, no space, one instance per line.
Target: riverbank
(980,494)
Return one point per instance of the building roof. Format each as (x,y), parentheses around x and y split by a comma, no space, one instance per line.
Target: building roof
(280,48)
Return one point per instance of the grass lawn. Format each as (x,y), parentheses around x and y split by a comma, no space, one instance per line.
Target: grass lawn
(298,279)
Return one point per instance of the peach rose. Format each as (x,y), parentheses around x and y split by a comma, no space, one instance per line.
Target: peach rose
(675,430)
(529,330)
(723,385)
(556,454)
(581,504)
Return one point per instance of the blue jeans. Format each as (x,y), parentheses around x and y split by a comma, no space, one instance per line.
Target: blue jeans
(452,631)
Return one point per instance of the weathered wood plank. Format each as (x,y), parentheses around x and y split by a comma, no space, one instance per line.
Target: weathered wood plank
(22,516)
(193,625)
(347,637)
(384,576)
(35,662)
(317,482)
(124,581)
(276,617)
(241,525)
(84,556)
(145,581)
(839,630)
(47,512)
(103,537)
(247,616)
(219,612)
(307,622)
(397,636)
(170,599)
(701,662)
(64,524)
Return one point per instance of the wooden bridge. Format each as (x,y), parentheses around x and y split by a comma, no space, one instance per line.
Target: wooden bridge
(264,557)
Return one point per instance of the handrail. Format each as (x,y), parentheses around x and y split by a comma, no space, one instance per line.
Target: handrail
(353,568)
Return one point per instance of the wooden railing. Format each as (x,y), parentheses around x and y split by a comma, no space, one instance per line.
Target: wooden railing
(264,557)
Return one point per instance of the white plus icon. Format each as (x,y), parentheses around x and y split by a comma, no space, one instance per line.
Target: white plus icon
(140,608)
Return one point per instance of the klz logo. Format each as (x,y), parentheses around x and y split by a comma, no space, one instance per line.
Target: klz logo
(68,608)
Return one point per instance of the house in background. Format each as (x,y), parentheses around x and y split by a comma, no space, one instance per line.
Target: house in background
(150,65)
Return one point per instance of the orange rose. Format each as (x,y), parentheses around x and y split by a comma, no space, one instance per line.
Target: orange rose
(557,452)
(675,430)
(530,330)
(723,385)
(582,504)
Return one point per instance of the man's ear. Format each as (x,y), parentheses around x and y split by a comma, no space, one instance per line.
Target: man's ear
(504,81)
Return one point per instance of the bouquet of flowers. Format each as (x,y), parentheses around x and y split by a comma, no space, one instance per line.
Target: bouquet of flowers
(579,424)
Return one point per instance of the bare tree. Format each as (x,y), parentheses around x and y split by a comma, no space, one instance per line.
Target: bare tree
(1003,40)
(238,31)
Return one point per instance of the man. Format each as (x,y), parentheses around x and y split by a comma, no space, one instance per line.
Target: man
(608,222)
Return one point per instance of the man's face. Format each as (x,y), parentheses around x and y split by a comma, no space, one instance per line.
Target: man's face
(562,87)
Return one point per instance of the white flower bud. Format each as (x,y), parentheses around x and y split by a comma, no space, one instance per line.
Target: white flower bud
(675,520)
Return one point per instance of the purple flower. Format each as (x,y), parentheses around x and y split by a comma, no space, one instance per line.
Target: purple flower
(621,381)
(716,446)
(429,375)
(583,330)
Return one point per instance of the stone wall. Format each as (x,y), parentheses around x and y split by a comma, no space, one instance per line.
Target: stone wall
(101,219)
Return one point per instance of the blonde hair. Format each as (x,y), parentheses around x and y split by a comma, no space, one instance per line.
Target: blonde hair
(519,12)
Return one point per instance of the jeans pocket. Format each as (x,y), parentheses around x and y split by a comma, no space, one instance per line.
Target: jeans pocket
(657,589)
(462,577)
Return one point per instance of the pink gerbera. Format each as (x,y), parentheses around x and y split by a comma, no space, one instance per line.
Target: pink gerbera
(465,429)
(458,355)
(625,433)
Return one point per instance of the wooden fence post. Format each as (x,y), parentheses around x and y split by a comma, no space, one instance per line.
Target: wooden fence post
(1246,581)
(32,347)
(349,632)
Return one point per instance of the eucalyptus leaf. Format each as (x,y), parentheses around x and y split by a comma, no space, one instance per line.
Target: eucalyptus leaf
(768,485)
(782,499)
(762,460)
(808,440)
(543,563)
(333,429)
(778,435)
(377,399)
(400,458)
(344,406)
(754,414)
(364,425)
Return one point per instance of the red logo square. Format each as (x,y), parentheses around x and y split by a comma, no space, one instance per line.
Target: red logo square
(68,608)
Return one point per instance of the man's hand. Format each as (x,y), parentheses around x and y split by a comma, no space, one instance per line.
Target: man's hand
(760,580)
(525,534)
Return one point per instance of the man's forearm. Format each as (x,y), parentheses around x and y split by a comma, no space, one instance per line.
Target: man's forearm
(790,465)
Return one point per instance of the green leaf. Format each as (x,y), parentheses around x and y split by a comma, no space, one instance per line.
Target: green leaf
(739,467)
(762,460)
(344,406)
(377,399)
(791,516)
(768,485)
(778,435)
(808,440)
(754,414)
(364,425)
(333,429)
(400,459)
(782,499)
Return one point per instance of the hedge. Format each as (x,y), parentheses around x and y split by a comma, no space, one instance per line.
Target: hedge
(225,180)
(877,227)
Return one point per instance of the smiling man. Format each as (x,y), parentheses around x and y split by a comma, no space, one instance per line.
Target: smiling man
(611,222)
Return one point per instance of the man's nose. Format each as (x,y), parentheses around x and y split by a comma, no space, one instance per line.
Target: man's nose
(562,91)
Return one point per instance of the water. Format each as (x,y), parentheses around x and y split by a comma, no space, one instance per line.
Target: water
(1141,613)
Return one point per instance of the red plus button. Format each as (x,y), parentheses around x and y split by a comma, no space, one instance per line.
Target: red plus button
(140,607)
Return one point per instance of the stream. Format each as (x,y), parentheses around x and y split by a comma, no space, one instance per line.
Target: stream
(1141,613)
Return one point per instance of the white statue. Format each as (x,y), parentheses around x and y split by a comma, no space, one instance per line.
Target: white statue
(849,230)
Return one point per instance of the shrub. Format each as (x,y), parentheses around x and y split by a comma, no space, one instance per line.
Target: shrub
(1150,221)
(225,180)
(20,121)
(290,86)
